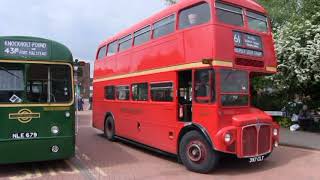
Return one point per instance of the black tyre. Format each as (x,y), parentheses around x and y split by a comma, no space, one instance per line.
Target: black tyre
(196,153)
(109,129)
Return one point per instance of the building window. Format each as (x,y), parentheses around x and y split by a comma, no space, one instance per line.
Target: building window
(140,92)
(102,52)
(229,14)
(164,26)
(125,43)
(195,15)
(257,22)
(122,92)
(204,86)
(112,48)
(109,92)
(142,36)
(162,92)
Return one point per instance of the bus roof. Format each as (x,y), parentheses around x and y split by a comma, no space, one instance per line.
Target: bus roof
(33,48)
(250,4)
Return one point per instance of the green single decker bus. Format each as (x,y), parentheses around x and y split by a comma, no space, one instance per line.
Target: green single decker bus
(37,113)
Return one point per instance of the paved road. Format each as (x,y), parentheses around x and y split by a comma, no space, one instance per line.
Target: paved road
(97,158)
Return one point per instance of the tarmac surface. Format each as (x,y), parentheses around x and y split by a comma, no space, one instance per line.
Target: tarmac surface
(97,158)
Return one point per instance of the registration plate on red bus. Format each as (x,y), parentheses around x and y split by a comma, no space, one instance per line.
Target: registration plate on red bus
(24,135)
(256,159)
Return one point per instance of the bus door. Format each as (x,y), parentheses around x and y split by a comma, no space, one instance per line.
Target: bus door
(185,96)
(204,96)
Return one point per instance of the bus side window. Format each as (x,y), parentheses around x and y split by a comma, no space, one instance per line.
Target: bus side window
(122,92)
(102,52)
(125,43)
(195,15)
(204,86)
(109,92)
(164,26)
(142,36)
(112,48)
(140,92)
(162,92)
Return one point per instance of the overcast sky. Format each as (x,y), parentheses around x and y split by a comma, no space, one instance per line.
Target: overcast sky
(79,24)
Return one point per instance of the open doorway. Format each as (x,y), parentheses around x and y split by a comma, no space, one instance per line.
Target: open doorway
(185,95)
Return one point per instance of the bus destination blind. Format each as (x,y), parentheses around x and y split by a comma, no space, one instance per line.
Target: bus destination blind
(25,48)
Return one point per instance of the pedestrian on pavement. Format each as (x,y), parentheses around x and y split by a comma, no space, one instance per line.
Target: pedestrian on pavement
(305,118)
(80,103)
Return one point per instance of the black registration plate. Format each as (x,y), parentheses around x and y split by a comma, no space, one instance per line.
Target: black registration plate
(24,135)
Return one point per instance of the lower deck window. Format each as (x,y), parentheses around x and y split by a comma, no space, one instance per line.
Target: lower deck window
(123,92)
(162,92)
(109,92)
(140,92)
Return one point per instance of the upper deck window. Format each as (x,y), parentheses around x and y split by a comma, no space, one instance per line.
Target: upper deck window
(164,26)
(125,43)
(257,22)
(229,14)
(142,36)
(102,52)
(112,48)
(195,15)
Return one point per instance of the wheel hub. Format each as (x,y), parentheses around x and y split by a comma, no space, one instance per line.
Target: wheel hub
(195,151)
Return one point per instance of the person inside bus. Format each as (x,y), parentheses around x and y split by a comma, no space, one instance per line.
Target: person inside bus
(192,19)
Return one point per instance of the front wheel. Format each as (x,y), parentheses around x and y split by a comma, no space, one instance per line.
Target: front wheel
(196,153)
(109,128)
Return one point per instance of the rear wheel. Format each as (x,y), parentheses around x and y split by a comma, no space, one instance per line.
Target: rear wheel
(196,153)
(109,128)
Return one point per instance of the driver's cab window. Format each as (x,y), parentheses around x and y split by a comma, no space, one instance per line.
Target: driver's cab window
(204,86)
(11,83)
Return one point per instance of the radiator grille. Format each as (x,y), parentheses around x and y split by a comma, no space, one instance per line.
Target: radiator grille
(256,140)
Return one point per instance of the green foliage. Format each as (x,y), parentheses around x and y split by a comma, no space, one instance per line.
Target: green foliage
(283,121)
(282,11)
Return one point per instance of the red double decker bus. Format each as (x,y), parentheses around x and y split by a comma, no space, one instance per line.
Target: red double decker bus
(179,82)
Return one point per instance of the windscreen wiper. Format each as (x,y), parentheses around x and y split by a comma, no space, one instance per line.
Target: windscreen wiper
(7,71)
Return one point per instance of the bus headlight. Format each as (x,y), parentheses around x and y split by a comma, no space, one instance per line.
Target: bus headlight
(67,114)
(54,130)
(227,138)
(55,148)
(275,132)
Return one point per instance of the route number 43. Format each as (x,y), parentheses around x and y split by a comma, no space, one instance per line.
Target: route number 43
(11,50)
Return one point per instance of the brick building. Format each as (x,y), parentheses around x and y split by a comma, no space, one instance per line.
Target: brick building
(84,79)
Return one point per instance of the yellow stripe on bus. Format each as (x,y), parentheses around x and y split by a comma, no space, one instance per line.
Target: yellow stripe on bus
(166,69)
